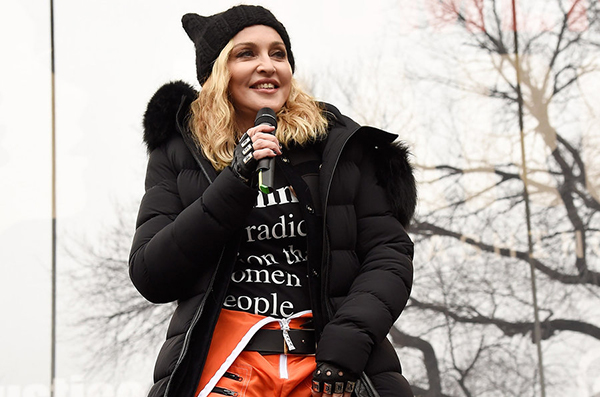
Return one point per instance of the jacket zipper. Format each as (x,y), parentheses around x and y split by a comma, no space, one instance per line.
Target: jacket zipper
(200,309)
(188,334)
(325,257)
(325,260)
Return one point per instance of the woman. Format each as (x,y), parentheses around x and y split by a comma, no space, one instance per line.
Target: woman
(290,293)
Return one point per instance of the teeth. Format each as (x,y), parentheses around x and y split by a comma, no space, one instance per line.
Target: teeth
(266,85)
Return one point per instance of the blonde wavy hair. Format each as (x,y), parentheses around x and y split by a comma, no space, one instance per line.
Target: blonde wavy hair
(300,120)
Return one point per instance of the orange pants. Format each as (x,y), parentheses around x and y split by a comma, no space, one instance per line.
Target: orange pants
(272,375)
(232,371)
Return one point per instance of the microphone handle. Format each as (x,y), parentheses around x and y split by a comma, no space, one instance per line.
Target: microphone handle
(263,164)
(266,174)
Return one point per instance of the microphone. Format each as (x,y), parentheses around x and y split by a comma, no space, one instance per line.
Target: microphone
(266,166)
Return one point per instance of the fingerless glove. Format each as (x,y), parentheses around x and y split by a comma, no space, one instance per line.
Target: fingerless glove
(330,379)
(244,164)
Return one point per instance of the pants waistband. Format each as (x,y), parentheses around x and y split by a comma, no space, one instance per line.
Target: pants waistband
(272,341)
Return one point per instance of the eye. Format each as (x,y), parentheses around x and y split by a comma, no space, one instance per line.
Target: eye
(245,53)
(280,54)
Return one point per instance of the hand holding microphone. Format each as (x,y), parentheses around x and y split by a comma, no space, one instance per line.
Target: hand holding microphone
(257,145)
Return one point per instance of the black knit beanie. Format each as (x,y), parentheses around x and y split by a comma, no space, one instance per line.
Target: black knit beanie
(211,34)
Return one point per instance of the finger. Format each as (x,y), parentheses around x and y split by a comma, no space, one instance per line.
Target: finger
(327,389)
(265,128)
(267,151)
(262,140)
(262,136)
(264,148)
(314,387)
(263,153)
(338,389)
(264,144)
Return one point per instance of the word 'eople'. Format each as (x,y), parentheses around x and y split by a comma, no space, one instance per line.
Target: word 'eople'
(260,305)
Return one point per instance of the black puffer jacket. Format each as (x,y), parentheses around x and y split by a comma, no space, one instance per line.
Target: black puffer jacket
(360,258)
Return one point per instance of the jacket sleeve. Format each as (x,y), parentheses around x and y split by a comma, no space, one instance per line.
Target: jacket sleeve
(174,248)
(381,288)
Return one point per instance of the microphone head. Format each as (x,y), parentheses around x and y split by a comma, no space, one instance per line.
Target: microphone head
(266,116)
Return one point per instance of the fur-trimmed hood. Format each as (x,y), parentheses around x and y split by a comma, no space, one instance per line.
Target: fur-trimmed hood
(161,113)
(391,157)
(395,172)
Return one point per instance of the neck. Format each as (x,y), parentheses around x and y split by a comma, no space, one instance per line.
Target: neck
(243,126)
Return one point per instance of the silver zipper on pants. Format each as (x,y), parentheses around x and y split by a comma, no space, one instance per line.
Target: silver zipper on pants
(223,391)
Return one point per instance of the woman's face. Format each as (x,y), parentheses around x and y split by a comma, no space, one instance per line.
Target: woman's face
(261,75)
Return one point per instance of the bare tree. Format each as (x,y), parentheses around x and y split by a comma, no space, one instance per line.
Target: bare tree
(471,315)
(107,308)
(474,227)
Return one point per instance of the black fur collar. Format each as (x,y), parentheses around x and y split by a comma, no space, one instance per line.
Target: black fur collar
(160,116)
(395,174)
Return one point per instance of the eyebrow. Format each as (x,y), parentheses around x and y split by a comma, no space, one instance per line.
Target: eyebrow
(251,43)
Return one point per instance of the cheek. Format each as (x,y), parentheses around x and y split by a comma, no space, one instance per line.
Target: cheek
(236,76)
(288,87)
(287,77)
(288,73)
(234,89)
(287,92)
(234,96)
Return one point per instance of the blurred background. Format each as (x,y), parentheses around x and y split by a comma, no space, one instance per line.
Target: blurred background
(504,132)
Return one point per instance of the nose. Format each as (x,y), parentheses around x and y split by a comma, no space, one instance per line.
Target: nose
(265,64)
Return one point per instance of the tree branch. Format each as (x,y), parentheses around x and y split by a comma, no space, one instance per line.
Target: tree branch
(512,328)
(400,338)
(428,229)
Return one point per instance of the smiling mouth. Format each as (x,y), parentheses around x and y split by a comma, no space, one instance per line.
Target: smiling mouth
(264,86)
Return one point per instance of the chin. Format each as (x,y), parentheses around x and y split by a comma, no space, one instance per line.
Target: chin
(273,103)
(276,106)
